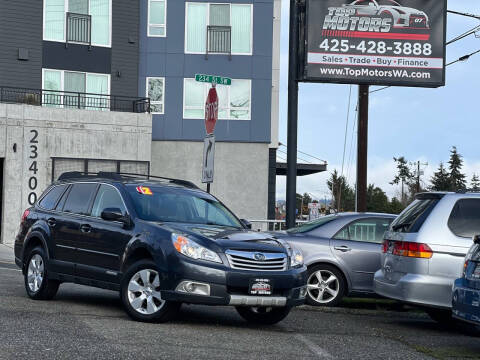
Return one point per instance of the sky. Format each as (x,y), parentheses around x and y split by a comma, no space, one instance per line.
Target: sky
(420,124)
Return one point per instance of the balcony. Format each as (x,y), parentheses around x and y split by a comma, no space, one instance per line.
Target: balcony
(79,29)
(74,100)
(219,40)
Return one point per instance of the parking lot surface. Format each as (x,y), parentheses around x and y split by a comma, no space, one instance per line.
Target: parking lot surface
(83,323)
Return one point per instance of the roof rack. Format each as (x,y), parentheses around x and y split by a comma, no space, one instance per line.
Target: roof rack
(464,191)
(120,176)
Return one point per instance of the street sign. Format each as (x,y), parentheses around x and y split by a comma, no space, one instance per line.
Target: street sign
(211,111)
(221,80)
(208,159)
(381,42)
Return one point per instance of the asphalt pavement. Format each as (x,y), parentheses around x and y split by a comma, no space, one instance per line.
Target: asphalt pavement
(87,323)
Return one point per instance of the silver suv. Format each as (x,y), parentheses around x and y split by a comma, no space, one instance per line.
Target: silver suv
(423,250)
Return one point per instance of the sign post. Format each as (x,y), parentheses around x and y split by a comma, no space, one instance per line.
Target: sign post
(211,117)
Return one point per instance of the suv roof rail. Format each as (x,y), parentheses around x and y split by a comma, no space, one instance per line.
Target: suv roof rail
(464,191)
(429,195)
(121,176)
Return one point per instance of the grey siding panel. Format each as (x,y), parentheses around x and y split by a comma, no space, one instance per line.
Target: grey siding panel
(21,27)
(125,28)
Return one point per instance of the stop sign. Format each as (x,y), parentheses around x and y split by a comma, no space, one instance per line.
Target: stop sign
(211,110)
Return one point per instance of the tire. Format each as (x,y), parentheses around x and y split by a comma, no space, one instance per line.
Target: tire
(140,294)
(37,282)
(441,316)
(325,286)
(263,315)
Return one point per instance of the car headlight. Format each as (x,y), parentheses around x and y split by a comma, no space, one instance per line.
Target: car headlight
(296,259)
(191,249)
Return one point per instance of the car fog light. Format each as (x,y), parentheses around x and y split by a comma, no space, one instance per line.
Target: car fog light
(192,287)
(303,292)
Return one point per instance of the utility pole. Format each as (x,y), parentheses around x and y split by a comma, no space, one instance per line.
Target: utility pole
(362,148)
(418,176)
(292,126)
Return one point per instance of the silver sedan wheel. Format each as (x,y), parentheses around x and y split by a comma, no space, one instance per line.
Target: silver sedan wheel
(144,292)
(35,273)
(323,286)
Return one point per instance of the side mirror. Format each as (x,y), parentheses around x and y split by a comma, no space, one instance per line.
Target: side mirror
(476,239)
(112,214)
(246,223)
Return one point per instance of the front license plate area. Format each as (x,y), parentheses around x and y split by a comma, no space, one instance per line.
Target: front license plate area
(261,287)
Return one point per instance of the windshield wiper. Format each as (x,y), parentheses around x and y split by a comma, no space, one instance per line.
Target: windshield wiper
(400,226)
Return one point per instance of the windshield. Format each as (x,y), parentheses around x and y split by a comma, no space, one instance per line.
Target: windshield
(309,226)
(177,205)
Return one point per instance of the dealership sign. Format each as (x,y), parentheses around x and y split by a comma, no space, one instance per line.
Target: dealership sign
(376,42)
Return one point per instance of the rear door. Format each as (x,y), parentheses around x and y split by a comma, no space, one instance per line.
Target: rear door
(73,213)
(101,248)
(358,247)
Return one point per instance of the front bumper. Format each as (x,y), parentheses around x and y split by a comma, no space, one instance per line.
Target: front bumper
(425,290)
(228,286)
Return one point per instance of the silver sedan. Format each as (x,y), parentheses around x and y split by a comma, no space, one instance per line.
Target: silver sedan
(342,253)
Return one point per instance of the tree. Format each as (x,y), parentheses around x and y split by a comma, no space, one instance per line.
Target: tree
(342,194)
(396,206)
(404,176)
(377,200)
(456,177)
(475,183)
(440,180)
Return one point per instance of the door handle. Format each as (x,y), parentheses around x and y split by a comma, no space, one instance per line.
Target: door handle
(51,222)
(342,248)
(85,228)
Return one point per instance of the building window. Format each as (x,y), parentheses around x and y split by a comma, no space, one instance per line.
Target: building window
(83,21)
(234,101)
(73,89)
(157,18)
(155,91)
(236,17)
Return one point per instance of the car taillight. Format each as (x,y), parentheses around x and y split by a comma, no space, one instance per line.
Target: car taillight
(411,249)
(24,216)
(385,246)
(465,265)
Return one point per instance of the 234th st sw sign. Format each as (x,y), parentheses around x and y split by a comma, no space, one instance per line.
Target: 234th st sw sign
(376,42)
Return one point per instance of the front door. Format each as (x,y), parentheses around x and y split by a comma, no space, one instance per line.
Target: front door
(358,247)
(101,248)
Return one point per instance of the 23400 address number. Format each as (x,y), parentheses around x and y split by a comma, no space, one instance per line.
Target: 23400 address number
(377,47)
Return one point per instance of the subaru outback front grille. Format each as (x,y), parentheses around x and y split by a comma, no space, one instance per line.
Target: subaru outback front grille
(256,260)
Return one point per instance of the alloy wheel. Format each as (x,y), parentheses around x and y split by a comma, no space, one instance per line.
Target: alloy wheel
(323,286)
(35,273)
(144,292)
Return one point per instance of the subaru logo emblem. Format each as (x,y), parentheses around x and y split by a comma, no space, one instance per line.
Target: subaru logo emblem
(259,257)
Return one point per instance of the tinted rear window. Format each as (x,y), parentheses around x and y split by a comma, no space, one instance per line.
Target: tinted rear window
(464,220)
(48,202)
(412,218)
(312,225)
(79,199)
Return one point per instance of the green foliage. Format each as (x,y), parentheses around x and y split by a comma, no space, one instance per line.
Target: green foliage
(455,164)
(406,177)
(475,183)
(343,195)
(440,180)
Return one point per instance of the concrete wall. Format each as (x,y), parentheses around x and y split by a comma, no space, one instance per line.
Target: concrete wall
(50,132)
(241,172)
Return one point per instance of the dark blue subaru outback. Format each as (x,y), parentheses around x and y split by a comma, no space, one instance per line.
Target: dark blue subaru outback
(159,242)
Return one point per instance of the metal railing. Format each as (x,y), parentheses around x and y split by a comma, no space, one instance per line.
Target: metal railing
(79,29)
(74,100)
(272,225)
(219,40)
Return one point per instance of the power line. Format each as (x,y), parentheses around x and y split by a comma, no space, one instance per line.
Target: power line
(465,34)
(346,127)
(464,14)
(464,57)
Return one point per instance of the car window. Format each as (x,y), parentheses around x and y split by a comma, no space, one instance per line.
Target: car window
(312,225)
(412,218)
(365,230)
(79,198)
(107,197)
(464,219)
(49,201)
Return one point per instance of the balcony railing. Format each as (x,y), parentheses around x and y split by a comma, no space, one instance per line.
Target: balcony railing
(79,29)
(74,100)
(219,40)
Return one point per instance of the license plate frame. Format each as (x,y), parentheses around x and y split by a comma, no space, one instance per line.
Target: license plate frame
(260,287)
